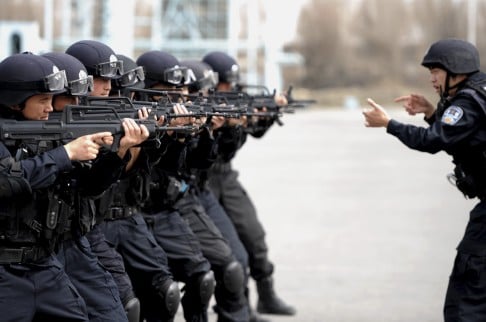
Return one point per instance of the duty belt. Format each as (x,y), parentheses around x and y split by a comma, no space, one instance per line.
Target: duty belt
(115,213)
(22,255)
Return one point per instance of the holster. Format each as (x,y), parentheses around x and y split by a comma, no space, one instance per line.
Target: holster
(465,183)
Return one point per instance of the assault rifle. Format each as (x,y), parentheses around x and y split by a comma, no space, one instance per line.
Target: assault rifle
(266,107)
(124,107)
(263,93)
(71,125)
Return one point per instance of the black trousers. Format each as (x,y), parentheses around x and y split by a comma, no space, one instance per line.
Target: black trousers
(145,261)
(231,305)
(185,258)
(217,214)
(466,293)
(39,292)
(239,207)
(95,284)
(112,261)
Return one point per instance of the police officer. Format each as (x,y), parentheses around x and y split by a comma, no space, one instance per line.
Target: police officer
(201,77)
(205,79)
(164,71)
(132,78)
(124,226)
(79,83)
(102,63)
(34,285)
(456,126)
(223,181)
(75,252)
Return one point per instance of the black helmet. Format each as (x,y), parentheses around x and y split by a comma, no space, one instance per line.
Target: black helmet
(25,75)
(201,75)
(133,75)
(161,67)
(99,59)
(78,80)
(454,55)
(226,66)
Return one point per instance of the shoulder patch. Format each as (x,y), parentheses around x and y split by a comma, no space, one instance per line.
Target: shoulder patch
(452,115)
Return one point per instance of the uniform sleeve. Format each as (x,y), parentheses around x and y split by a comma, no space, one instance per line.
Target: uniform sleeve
(230,140)
(459,122)
(202,151)
(105,170)
(173,156)
(42,170)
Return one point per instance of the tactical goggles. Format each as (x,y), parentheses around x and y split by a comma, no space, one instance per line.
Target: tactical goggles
(210,80)
(54,82)
(175,75)
(81,86)
(110,69)
(132,77)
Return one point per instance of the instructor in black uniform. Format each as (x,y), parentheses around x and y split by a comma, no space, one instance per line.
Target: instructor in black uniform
(457,126)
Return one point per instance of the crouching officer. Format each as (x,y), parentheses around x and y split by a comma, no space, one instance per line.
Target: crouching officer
(75,188)
(34,285)
(102,64)
(456,126)
(170,230)
(124,226)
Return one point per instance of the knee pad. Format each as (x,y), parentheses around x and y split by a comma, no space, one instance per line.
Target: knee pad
(233,277)
(132,309)
(171,296)
(206,283)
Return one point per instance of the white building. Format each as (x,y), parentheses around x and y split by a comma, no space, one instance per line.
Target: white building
(185,28)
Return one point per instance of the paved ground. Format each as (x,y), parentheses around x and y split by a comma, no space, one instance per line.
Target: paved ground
(360,227)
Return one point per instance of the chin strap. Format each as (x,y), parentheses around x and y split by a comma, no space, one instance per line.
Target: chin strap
(444,93)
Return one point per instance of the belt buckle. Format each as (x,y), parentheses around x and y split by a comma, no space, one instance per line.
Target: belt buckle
(29,254)
(116,212)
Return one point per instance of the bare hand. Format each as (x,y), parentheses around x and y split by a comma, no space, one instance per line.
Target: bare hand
(416,103)
(217,122)
(281,100)
(144,113)
(134,135)
(86,147)
(375,116)
(180,109)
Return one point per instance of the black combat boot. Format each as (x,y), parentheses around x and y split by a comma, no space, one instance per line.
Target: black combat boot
(269,302)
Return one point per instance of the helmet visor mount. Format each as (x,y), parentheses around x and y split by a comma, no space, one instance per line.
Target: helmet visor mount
(189,77)
(81,86)
(110,69)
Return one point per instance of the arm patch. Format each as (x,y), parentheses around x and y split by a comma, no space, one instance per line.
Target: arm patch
(452,115)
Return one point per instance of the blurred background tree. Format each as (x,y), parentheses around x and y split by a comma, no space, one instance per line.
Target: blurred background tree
(369,43)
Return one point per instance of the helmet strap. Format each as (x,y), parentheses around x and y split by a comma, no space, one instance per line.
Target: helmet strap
(445,92)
